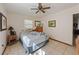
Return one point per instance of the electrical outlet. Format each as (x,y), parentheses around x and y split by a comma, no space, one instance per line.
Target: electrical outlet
(2,45)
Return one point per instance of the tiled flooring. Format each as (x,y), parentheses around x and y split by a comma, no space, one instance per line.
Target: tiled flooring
(52,48)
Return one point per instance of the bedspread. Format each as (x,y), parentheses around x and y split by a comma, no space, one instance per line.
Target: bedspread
(31,40)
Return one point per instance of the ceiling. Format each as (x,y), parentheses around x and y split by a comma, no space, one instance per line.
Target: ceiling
(25,8)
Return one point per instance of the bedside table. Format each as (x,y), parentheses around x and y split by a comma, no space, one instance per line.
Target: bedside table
(11,39)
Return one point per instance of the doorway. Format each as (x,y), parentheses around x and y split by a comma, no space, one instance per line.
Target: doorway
(75,27)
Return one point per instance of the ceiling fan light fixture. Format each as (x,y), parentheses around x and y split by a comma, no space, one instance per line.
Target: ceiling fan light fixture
(40,8)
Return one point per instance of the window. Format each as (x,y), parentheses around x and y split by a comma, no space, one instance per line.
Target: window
(28,24)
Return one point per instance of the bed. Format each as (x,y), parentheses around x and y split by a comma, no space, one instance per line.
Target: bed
(32,41)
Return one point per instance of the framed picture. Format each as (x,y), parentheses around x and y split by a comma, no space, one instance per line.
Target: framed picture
(52,23)
(3,22)
(37,23)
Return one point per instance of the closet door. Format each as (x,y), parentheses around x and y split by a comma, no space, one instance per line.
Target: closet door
(3,41)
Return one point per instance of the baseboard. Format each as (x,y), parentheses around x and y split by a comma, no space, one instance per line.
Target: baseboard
(60,41)
(4,50)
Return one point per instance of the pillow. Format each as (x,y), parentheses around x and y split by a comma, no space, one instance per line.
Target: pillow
(28,30)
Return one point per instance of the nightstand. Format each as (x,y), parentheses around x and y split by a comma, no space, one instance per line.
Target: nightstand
(11,39)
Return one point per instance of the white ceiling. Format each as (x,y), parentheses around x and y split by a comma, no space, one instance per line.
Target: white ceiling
(25,8)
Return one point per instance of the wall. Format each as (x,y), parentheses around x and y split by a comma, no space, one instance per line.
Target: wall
(17,21)
(2,33)
(64,25)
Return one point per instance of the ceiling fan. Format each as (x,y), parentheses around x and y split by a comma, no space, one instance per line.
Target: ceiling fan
(40,8)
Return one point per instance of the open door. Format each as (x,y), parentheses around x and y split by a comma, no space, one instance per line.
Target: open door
(75,26)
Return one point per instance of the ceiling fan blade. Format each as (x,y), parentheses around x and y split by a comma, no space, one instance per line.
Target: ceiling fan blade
(37,11)
(34,8)
(43,11)
(46,8)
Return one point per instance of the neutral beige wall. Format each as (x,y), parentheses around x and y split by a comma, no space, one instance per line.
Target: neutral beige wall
(64,25)
(2,33)
(17,21)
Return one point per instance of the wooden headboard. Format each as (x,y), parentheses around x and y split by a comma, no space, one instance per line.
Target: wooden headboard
(39,29)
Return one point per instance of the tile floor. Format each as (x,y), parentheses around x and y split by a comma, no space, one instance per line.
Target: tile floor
(52,48)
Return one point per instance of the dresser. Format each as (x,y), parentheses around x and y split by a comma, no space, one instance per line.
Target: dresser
(39,29)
